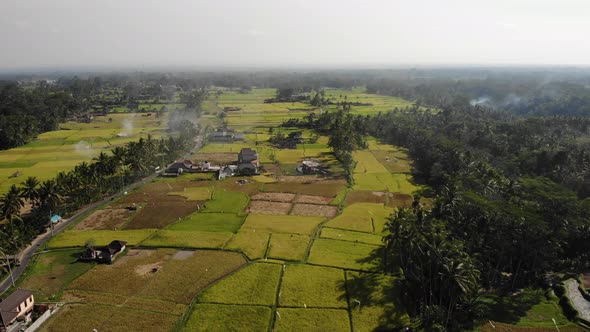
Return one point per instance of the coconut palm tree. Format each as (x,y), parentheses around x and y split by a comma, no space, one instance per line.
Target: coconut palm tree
(49,196)
(11,203)
(30,189)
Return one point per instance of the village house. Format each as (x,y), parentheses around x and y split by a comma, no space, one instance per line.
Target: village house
(18,304)
(104,254)
(248,162)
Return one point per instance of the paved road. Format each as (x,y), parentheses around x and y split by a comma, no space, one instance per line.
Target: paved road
(26,254)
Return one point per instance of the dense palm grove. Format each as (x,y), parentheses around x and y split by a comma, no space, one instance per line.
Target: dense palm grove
(86,183)
(510,209)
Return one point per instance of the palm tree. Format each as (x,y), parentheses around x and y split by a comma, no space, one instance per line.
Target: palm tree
(30,189)
(49,196)
(11,203)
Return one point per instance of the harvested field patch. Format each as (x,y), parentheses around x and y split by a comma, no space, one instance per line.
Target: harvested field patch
(210,222)
(366,196)
(298,320)
(281,224)
(52,271)
(344,254)
(156,274)
(180,280)
(236,184)
(186,239)
(75,238)
(194,193)
(367,163)
(401,200)
(273,197)
(215,158)
(107,318)
(264,207)
(160,213)
(167,307)
(221,317)
(381,307)
(265,178)
(288,246)
(317,187)
(111,219)
(255,284)
(252,244)
(311,199)
(326,211)
(312,286)
(344,235)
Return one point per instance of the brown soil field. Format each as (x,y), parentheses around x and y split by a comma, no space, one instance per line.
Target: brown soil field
(215,158)
(160,209)
(312,199)
(109,219)
(367,196)
(264,207)
(273,197)
(401,200)
(320,187)
(327,211)
(162,212)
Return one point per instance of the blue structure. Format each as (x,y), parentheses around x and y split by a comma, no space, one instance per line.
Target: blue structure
(55,218)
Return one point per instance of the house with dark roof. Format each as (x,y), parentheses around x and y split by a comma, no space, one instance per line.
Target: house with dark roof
(248,161)
(104,254)
(18,304)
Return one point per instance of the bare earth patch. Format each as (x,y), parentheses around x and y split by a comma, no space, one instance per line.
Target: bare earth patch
(401,200)
(311,199)
(300,178)
(264,207)
(143,270)
(183,254)
(367,196)
(326,211)
(109,219)
(273,197)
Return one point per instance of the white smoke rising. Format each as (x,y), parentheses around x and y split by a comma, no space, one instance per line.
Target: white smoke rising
(127,129)
(84,148)
(480,101)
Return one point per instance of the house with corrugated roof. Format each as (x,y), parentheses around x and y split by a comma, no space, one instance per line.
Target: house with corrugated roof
(18,304)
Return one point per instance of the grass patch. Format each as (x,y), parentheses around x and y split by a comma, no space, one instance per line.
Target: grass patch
(344,254)
(312,286)
(281,224)
(226,202)
(186,239)
(219,317)
(288,246)
(298,320)
(52,272)
(344,235)
(252,244)
(210,222)
(255,284)
(75,238)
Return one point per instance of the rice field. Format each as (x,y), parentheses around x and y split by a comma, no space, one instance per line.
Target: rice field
(281,224)
(209,222)
(223,317)
(297,320)
(288,246)
(76,238)
(307,286)
(345,254)
(61,150)
(255,284)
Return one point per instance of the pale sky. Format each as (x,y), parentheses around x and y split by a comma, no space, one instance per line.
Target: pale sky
(275,33)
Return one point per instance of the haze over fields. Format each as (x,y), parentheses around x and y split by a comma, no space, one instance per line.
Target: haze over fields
(38,34)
